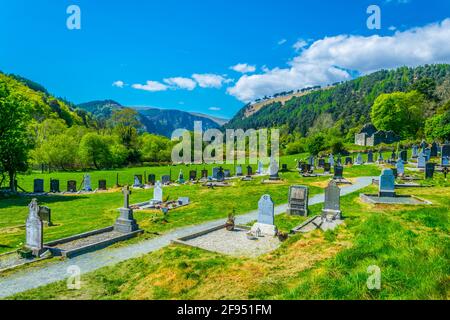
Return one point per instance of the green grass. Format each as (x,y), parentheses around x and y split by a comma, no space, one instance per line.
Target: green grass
(410,245)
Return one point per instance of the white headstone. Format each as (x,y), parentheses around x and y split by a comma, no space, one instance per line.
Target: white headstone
(266,217)
(34,229)
(158,192)
(273,167)
(87,186)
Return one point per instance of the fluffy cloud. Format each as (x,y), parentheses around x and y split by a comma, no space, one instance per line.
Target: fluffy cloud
(209,80)
(282,41)
(181,83)
(299,45)
(118,84)
(152,86)
(243,68)
(333,58)
(215,109)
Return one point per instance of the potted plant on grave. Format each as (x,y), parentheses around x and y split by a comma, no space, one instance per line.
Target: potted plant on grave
(282,236)
(231,222)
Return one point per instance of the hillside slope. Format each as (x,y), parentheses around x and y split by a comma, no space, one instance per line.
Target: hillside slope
(349,102)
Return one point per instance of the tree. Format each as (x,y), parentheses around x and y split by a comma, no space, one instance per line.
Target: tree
(438,126)
(14,138)
(94,150)
(125,123)
(400,112)
(316,144)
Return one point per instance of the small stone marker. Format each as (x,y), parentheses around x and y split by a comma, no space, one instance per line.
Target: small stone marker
(38,186)
(45,214)
(157,193)
(71,186)
(359,159)
(220,175)
(34,230)
(137,181)
(273,169)
(434,149)
(348,161)
(227,173)
(181,177)
(284,167)
(215,170)
(370,156)
(421,161)
(54,186)
(380,157)
(192,175)
(327,167)
(311,161)
(321,163)
(182,201)
(298,201)
(429,170)
(415,152)
(126,222)
(445,150)
(404,156)
(266,217)
(204,174)
(445,161)
(239,171)
(87,183)
(249,171)
(102,185)
(331,160)
(260,168)
(387,184)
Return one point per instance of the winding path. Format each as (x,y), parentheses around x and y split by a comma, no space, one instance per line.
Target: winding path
(29,279)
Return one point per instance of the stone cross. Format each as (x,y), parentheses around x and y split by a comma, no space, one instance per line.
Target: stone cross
(126,199)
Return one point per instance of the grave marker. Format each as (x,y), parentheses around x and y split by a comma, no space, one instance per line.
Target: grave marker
(429,170)
(102,185)
(266,217)
(298,201)
(54,186)
(34,230)
(332,204)
(126,222)
(386,186)
(38,186)
(71,186)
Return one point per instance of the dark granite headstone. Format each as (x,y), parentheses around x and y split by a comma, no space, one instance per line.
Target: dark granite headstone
(71,186)
(298,201)
(220,175)
(434,149)
(165,179)
(45,213)
(38,186)
(338,172)
(370,156)
(429,170)
(227,173)
(54,186)
(445,150)
(348,161)
(192,175)
(204,174)
(332,202)
(284,167)
(404,156)
(327,167)
(151,179)
(102,185)
(321,163)
(249,171)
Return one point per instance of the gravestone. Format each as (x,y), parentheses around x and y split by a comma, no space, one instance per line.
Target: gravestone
(428,154)
(192,175)
(311,161)
(445,150)
(429,170)
(54,186)
(220,175)
(165,179)
(393,156)
(151,179)
(215,170)
(348,161)
(45,214)
(434,149)
(331,160)
(260,169)
(423,145)
(421,161)
(102,185)
(239,171)
(386,186)
(284,167)
(370,156)
(400,166)
(445,161)
(327,168)
(38,186)
(227,173)
(321,163)
(415,152)
(87,186)
(338,172)
(249,171)
(71,186)
(157,193)
(359,159)
(298,201)
(34,230)
(266,217)
(332,204)
(137,181)
(126,222)
(181,177)
(273,169)
(204,174)
(404,156)
(339,160)
(182,201)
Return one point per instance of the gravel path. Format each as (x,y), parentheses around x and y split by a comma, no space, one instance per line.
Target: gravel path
(30,279)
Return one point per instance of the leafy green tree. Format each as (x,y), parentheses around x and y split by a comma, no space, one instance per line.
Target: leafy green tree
(400,112)
(125,124)
(94,150)
(438,126)
(15,141)
(316,144)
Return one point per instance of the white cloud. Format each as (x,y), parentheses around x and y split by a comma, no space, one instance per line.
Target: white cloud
(300,44)
(152,86)
(392,28)
(118,84)
(331,59)
(243,68)
(215,109)
(181,83)
(282,41)
(209,80)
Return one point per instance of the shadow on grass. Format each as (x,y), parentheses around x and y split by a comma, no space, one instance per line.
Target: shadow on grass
(19,201)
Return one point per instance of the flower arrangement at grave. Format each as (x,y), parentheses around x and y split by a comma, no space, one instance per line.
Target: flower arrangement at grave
(230,224)
(282,236)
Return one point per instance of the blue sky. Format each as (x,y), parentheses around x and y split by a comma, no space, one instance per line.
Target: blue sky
(179,54)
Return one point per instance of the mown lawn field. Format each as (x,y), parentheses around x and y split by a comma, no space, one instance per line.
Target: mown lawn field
(409,244)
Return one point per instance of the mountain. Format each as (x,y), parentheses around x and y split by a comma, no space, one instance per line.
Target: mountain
(41,104)
(349,102)
(219,121)
(157,121)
